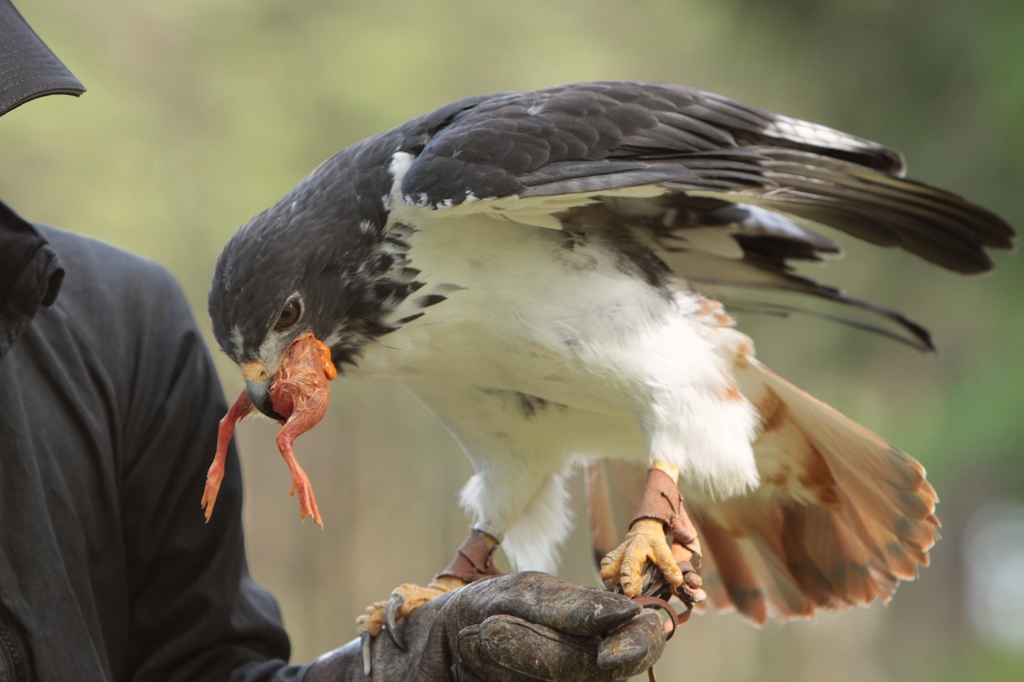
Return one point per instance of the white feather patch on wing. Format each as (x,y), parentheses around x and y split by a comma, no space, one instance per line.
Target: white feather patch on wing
(538,211)
(786,128)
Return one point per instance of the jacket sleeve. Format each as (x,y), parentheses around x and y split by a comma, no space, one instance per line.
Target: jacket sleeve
(196,614)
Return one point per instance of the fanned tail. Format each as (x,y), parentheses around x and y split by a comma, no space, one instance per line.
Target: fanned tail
(840,518)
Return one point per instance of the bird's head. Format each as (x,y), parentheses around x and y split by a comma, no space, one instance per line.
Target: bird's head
(314,263)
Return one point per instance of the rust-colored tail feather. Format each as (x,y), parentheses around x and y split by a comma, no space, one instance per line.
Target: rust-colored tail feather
(840,518)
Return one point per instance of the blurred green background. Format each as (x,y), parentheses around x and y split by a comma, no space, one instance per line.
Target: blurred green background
(200,113)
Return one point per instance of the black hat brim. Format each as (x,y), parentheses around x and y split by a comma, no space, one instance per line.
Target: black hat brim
(28,69)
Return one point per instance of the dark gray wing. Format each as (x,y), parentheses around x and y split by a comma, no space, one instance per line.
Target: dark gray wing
(742,256)
(603,137)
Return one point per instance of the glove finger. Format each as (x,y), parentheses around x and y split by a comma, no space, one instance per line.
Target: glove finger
(510,649)
(544,600)
(633,648)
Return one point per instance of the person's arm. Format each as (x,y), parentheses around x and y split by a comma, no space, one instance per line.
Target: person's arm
(195,613)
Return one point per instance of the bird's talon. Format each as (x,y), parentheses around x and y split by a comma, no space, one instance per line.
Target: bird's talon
(384,615)
(364,643)
(690,597)
(645,542)
(691,591)
(395,603)
(373,620)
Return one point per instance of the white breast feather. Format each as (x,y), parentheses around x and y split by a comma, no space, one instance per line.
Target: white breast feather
(623,371)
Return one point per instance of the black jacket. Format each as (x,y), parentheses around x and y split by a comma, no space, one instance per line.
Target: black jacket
(108,418)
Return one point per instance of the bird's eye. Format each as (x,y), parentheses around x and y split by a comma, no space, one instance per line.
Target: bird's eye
(289,315)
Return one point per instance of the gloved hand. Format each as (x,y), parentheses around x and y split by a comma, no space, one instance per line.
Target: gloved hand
(513,628)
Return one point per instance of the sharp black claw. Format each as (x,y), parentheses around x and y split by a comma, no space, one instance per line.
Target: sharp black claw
(367,653)
(395,602)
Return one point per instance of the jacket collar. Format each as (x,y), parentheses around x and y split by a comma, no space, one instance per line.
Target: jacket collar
(30,275)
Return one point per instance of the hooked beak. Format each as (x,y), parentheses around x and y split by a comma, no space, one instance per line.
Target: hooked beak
(257,385)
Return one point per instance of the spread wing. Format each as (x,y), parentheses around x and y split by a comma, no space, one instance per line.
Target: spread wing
(725,192)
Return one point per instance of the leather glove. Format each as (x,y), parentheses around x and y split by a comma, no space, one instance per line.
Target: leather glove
(513,628)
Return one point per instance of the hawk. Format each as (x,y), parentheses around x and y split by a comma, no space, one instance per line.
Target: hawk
(551,272)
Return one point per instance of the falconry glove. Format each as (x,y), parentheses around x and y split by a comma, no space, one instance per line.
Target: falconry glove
(517,627)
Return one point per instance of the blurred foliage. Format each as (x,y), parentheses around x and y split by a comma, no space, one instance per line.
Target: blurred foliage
(200,113)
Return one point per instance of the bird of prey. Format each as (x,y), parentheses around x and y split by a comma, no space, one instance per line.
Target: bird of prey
(552,273)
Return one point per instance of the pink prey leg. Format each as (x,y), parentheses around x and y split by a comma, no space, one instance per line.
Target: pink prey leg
(241,408)
(300,481)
